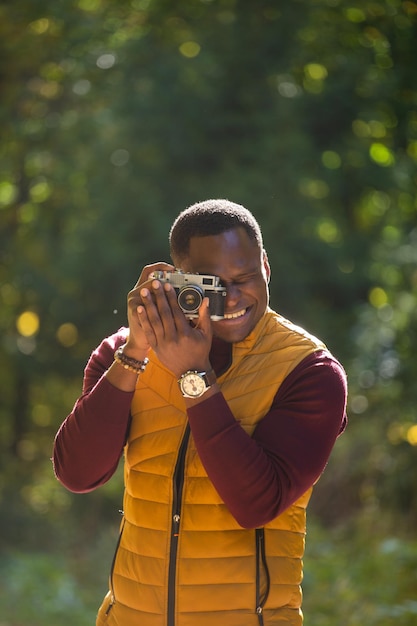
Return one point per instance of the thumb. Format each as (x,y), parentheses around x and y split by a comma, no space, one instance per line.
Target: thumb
(204,321)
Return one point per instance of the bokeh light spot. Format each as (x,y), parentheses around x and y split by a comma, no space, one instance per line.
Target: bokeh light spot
(378,297)
(8,193)
(381,154)
(27,324)
(412,435)
(190,49)
(331,160)
(315,71)
(67,335)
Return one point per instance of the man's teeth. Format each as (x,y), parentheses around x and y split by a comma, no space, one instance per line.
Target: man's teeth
(232,316)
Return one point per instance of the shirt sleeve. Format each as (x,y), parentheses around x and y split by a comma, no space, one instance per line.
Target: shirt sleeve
(89,443)
(258,477)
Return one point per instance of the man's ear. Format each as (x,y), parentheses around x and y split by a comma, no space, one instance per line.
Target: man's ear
(266,265)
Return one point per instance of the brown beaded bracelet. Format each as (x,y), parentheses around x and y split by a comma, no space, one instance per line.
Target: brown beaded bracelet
(133,365)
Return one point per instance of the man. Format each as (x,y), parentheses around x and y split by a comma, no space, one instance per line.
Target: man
(225,425)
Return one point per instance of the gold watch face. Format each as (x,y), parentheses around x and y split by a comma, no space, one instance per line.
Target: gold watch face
(193,385)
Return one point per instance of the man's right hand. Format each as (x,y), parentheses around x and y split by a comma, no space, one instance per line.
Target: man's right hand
(137,345)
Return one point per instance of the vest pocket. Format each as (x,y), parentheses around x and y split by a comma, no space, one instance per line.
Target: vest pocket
(262,575)
(111,586)
(104,610)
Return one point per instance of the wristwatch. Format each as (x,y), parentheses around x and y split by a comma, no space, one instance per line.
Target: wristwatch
(193,384)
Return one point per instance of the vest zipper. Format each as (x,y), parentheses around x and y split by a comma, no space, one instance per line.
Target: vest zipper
(178,482)
(112,596)
(261,568)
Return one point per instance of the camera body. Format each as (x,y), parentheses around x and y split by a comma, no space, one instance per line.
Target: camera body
(192,288)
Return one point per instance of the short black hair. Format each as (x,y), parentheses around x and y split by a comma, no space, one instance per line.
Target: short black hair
(210,217)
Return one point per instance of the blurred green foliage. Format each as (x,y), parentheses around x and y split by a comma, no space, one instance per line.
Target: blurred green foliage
(114,117)
(359,579)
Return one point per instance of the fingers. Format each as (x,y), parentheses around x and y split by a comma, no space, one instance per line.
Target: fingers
(149,269)
(157,314)
(204,321)
(180,320)
(134,298)
(137,337)
(178,344)
(149,317)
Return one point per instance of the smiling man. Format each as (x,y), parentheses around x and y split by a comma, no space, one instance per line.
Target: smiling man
(242,265)
(225,424)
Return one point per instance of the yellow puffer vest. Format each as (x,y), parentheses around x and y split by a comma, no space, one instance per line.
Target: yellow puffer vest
(182,559)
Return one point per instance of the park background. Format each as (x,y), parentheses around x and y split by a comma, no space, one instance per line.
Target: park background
(116,115)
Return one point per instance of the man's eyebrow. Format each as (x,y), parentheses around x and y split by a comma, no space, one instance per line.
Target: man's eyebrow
(246,273)
(242,274)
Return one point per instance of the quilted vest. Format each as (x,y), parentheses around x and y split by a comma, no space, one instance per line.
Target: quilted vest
(182,559)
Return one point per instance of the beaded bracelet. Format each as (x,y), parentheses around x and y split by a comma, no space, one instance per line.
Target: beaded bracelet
(128,362)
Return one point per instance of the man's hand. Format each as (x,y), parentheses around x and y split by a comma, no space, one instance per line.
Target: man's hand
(137,345)
(179,344)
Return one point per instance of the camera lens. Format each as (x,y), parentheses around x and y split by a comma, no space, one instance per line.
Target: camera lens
(190,298)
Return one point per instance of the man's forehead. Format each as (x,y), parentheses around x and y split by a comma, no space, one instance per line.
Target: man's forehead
(229,239)
(231,250)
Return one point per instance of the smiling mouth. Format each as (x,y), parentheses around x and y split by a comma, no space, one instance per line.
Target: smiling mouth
(233,316)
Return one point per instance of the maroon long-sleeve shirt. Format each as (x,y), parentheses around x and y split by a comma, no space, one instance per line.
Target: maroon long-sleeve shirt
(258,477)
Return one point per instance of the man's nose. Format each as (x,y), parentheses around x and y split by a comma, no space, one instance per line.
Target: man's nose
(232,295)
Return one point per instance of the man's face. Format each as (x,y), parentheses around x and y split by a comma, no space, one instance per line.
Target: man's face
(243,269)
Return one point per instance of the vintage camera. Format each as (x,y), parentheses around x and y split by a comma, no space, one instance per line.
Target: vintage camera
(192,288)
